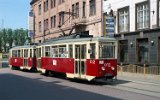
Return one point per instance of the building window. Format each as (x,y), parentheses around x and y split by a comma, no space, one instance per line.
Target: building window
(142,15)
(46,24)
(123,19)
(158,12)
(142,51)
(73,11)
(61,18)
(84,9)
(92,7)
(53,21)
(123,51)
(40,26)
(53,3)
(46,6)
(77,10)
(61,1)
(39,9)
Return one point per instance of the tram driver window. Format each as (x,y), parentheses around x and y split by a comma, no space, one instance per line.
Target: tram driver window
(14,53)
(92,50)
(106,50)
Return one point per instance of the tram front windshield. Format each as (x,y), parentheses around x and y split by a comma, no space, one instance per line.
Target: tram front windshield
(106,50)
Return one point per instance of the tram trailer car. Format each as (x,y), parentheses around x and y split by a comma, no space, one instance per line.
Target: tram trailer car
(82,58)
(23,57)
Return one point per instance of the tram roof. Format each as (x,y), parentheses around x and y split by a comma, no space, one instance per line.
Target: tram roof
(24,46)
(79,40)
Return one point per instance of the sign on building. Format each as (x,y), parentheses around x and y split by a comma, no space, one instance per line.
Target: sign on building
(109,25)
(31,24)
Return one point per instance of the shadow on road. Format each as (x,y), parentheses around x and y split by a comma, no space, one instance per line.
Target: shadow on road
(101,82)
(14,87)
(93,82)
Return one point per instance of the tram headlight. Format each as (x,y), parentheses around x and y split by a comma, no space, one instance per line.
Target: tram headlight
(103,68)
(112,68)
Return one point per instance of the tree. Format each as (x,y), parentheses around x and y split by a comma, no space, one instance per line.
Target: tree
(8,37)
(4,40)
(0,41)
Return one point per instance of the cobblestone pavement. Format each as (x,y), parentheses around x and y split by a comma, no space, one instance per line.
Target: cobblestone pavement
(41,85)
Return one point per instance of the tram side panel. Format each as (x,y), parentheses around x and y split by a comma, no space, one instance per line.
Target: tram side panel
(16,62)
(102,68)
(62,65)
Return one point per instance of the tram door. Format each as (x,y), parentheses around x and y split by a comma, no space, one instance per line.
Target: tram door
(80,60)
(39,54)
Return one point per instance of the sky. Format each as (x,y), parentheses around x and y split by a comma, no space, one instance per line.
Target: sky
(14,13)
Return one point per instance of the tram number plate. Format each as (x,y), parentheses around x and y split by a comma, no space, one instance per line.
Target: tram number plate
(15,60)
(92,61)
(107,64)
(54,62)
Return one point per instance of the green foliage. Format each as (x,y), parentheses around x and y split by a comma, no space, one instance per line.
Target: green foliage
(10,38)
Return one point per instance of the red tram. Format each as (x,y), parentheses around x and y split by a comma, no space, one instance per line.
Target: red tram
(82,58)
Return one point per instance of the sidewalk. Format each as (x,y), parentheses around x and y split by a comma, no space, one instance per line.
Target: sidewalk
(155,79)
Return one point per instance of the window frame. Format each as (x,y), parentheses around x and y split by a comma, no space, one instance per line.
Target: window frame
(128,28)
(136,15)
(92,4)
(39,9)
(53,3)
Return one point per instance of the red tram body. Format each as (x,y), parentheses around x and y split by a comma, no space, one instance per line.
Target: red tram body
(83,58)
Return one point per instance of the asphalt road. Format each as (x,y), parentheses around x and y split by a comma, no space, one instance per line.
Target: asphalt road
(19,85)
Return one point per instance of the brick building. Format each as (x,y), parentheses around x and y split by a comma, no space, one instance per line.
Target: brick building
(53,18)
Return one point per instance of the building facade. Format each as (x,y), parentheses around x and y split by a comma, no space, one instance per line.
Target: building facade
(53,18)
(137,30)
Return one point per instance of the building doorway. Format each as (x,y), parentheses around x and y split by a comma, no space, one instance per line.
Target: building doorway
(142,51)
(123,51)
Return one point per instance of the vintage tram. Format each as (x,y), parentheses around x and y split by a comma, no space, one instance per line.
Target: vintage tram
(83,58)
(23,57)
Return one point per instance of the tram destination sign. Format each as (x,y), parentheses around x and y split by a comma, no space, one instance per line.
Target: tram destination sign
(109,25)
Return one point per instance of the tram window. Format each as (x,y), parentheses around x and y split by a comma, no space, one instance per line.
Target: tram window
(42,51)
(92,50)
(54,51)
(39,52)
(70,51)
(14,53)
(31,53)
(77,49)
(107,50)
(34,53)
(62,52)
(47,51)
(25,53)
(83,51)
(22,53)
(19,53)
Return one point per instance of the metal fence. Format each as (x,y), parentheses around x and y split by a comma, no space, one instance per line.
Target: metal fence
(154,70)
